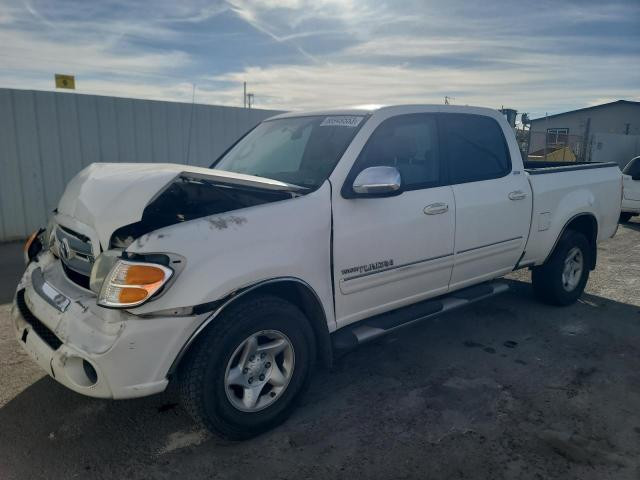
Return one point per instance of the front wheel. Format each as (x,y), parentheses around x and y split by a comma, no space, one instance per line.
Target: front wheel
(561,280)
(246,373)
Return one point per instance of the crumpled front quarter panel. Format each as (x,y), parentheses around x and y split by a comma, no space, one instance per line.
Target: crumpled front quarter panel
(225,252)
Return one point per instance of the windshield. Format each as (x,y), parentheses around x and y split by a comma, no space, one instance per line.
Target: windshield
(299,150)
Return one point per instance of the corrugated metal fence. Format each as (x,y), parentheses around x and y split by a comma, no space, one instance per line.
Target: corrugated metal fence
(47,137)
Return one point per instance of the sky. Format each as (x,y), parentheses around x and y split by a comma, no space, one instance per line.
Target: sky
(537,57)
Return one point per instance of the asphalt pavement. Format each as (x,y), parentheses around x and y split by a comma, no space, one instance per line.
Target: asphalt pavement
(11,267)
(506,388)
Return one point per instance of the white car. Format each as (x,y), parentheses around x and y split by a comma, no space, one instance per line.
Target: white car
(314,233)
(630,190)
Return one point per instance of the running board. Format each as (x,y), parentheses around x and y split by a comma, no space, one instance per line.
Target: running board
(373,327)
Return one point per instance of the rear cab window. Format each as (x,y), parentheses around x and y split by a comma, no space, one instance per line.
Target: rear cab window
(475,148)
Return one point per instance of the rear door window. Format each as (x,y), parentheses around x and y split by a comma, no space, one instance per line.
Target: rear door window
(476,148)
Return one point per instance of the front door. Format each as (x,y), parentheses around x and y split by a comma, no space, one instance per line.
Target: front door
(396,250)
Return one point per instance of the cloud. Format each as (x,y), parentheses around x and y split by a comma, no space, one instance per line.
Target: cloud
(339,84)
(35,43)
(531,58)
(298,54)
(33,53)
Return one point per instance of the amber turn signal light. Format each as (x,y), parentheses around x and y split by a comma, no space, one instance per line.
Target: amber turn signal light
(130,284)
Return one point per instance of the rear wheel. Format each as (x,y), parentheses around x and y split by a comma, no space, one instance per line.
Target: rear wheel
(246,373)
(625,217)
(561,280)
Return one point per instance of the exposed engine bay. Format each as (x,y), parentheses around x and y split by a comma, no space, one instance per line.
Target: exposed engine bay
(189,197)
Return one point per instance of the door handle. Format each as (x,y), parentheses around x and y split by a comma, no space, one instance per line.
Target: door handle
(436,208)
(517,195)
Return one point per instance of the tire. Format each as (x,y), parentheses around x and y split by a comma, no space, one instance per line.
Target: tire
(210,390)
(625,217)
(549,284)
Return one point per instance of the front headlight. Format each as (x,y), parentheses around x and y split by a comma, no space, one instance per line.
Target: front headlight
(130,284)
(101,269)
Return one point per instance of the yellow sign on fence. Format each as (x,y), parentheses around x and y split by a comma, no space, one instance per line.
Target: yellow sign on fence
(65,81)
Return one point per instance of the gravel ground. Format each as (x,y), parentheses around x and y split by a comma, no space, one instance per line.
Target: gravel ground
(507,388)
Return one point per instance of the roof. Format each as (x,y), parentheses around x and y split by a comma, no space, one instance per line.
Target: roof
(393,110)
(617,102)
(312,113)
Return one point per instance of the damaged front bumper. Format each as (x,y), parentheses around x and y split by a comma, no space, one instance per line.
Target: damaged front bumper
(92,350)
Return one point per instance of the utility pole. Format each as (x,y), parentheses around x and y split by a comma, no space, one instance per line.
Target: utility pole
(447,100)
(193,102)
(250,99)
(244,96)
(546,134)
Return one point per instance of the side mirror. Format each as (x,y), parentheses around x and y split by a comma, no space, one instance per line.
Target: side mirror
(377,181)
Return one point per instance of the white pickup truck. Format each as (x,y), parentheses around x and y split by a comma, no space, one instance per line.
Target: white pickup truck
(315,232)
(630,190)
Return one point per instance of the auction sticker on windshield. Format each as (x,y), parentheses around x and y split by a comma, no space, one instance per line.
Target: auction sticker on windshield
(341,121)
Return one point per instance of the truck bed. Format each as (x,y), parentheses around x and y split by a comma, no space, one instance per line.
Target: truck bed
(541,167)
(575,189)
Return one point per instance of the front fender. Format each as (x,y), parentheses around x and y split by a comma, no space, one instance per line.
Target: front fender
(231,251)
(318,322)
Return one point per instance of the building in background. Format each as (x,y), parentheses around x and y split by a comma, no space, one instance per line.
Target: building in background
(48,137)
(608,132)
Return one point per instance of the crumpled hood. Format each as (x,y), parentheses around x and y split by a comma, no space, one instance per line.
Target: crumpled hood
(106,196)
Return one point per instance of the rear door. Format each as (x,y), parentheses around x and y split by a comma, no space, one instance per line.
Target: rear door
(395,250)
(493,202)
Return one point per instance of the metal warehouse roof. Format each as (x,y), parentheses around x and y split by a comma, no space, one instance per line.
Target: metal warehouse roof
(617,102)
